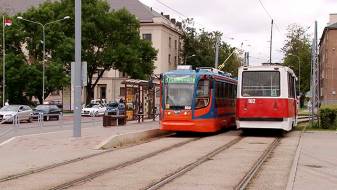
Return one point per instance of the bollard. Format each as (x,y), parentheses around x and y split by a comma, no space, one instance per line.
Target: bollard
(40,120)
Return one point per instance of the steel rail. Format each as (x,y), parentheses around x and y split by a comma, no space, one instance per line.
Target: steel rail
(119,166)
(257,165)
(189,167)
(52,166)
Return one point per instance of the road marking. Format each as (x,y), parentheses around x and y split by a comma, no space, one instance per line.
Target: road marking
(7,141)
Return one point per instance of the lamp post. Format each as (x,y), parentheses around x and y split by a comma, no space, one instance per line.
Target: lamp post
(44,45)
(299,71)
(193,55)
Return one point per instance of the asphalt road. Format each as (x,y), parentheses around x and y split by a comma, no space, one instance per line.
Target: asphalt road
(66,122)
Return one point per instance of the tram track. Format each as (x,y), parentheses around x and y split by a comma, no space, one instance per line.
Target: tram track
(257,165)
(182,171)
(67,162)
(96,174)
(91,175)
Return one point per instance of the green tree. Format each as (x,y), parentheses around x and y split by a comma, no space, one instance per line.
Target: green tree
(110,40)
(199,49)
(297,51)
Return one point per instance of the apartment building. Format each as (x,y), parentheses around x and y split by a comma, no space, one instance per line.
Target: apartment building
(328,62)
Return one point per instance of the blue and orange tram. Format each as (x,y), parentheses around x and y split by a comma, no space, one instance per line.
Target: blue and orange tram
(200,100)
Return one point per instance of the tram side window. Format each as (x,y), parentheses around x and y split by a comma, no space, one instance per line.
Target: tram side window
(291,86)
(202,97)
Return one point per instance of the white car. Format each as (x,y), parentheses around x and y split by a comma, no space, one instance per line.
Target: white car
(8,112)
(93,110)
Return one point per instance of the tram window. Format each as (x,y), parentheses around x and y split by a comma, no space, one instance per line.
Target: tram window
(202,97)
(291,86)
(261,83)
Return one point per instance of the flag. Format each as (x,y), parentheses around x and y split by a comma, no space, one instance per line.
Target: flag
(8,22)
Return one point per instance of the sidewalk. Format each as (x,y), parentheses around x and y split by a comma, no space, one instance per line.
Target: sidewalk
(32,151)
(317,161)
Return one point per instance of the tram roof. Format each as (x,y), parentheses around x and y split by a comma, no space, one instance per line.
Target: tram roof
(201,71)
(267,67)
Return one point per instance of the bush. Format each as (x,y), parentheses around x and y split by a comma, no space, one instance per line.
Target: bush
(328,115)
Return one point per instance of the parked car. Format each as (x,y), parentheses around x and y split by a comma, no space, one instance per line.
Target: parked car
(114,107)
(93,110)
(48,111)
(8,112)
(99,101)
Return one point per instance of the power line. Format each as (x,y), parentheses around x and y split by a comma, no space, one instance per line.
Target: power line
(264,8)
(172,9)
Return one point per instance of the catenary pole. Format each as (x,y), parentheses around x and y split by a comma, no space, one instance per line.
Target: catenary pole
(271,40)
(217,38)
(77,85)
(3,62)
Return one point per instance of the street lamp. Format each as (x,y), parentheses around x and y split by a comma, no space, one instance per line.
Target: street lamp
(299,71)
(193,55)
(44,44)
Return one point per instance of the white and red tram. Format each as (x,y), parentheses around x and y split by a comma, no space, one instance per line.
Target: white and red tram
(266,97)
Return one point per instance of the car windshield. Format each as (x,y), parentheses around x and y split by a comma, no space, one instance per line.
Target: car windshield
(42,107)
(113,104)
(10,108)
(92,105)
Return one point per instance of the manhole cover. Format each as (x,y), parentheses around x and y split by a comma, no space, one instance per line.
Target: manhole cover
(313,166)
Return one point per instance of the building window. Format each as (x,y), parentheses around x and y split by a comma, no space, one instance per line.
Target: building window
(169,42)
(102,92)
(175,60)
(147,36)
(169,58)
(175,44)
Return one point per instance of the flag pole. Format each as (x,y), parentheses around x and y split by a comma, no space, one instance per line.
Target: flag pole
(4,61)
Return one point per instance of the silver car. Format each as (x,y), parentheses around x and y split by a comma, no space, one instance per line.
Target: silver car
(24,113)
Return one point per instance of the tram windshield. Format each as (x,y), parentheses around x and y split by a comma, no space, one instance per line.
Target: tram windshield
(178,91)
(260,83)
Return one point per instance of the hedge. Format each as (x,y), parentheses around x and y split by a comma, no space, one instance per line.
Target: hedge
(328,116)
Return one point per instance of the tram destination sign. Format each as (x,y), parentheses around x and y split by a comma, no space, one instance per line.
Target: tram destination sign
(179,79)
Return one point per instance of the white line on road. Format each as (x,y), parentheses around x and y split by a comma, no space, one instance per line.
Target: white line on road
(7,141)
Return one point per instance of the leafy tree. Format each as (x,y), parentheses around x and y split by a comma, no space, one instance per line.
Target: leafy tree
(110,40)
(199,49)
(297,50)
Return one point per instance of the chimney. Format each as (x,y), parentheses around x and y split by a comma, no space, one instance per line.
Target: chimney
(332,18)
(179,25)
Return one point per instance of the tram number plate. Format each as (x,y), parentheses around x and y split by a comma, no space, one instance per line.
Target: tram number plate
(251,101)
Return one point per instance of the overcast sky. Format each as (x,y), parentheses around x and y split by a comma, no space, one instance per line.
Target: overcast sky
(246,21)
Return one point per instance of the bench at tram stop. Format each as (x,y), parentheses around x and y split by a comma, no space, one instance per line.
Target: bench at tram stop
(114,120)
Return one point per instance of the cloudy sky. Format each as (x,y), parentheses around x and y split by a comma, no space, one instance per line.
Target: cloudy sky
(248,22)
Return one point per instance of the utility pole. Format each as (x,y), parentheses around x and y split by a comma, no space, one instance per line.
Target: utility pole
(217,38)
(315,77)
(78,62)
(3,62)
(271,39)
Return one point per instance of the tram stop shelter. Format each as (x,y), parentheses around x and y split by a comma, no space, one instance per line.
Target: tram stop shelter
(141,99)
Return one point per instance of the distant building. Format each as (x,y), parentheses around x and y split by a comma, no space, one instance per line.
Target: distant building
(328,62)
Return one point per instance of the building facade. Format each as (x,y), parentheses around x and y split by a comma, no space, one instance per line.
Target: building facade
(328,62)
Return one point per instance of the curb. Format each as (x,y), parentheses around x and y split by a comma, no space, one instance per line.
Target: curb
(293,170)
(130,138)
